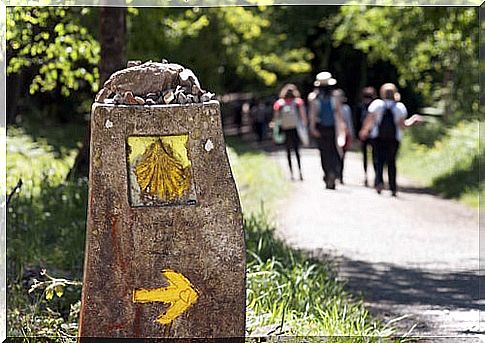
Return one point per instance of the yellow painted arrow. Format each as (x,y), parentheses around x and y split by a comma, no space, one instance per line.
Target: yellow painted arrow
(179,293)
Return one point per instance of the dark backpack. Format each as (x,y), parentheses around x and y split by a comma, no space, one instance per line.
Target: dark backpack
(387,126)
(326,111)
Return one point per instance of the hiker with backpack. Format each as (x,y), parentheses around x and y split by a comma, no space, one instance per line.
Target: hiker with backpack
(327,125)
(384,124)
(289,112)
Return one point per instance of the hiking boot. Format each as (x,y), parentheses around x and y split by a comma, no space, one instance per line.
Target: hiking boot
(379,188)
(330,182)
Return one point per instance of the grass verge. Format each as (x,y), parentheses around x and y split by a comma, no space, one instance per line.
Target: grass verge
(286,291)
(448,164)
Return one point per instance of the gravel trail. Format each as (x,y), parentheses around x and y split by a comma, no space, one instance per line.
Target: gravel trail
(414,256)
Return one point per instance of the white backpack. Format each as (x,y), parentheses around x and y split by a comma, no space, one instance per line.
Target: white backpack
(289,115)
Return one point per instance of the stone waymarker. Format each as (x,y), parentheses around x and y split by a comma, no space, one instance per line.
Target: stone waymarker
(165,253)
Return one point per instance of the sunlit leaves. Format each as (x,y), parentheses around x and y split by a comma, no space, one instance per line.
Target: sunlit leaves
(189,26)
(432,48)
(246,41)
(51,40)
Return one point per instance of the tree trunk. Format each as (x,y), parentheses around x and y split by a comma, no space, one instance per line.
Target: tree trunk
(112,22)
(113,41)
(13,94)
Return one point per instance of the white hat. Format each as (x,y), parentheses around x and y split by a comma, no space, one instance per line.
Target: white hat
(324,78)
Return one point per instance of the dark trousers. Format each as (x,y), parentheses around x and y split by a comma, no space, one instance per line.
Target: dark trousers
(260,129)
(365,144)
(386,152)
(292,143)
(341,170)
(328,153)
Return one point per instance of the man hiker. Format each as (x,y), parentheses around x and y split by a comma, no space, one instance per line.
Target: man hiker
(327,125)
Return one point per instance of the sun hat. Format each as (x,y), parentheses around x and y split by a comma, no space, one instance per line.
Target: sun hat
(324,78)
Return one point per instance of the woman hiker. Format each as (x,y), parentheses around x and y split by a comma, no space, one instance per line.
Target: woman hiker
(289,109)
(384,124)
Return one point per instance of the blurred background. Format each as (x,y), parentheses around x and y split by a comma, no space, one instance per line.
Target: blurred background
(57,58)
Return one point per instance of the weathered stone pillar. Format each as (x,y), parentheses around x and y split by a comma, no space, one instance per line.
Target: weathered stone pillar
(165,253)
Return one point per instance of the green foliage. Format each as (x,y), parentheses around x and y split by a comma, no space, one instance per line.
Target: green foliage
(52,42)
(46,218)
(36,160)
(46,226)
(221,42)
(449,165)
(435,50)
(36,316)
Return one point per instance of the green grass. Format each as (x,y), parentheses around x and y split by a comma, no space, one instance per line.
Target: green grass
(286,290)
(45,229)
(449,163)
(260,181)
(293,294)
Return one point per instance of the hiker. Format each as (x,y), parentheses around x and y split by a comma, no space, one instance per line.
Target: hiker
(327,125)
(289,109)
(384,123)
(349,130)
(368,95)
(258,116)
(238,117)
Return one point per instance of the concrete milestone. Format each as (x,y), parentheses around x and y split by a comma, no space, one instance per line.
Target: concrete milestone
(165,253)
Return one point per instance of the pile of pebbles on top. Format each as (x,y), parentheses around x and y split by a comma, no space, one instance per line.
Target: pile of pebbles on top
(153,83)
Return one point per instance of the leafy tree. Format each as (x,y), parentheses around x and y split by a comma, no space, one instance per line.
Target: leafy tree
(52,42)
(435,50)
(51,61)
(231,48)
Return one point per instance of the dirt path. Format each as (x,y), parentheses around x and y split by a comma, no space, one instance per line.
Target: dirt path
(415,255)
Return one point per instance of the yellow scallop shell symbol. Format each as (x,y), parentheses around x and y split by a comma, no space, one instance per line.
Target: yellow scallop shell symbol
(160,172)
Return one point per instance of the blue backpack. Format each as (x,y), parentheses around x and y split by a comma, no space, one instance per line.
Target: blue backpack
(326,111)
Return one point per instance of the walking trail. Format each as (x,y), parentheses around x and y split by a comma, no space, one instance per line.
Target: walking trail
(414,256)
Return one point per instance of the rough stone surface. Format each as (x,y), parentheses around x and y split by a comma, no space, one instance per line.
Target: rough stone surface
(128,247)
(164,83)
